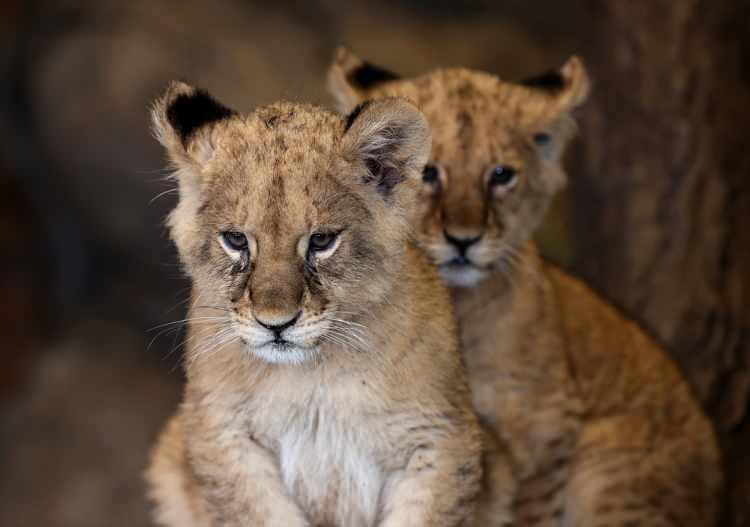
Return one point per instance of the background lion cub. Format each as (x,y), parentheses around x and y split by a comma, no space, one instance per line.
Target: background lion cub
(324,385)
(599,426)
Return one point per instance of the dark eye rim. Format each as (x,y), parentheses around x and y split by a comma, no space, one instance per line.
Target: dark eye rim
(431,174)
(235,240)
(329,239)
(503,175)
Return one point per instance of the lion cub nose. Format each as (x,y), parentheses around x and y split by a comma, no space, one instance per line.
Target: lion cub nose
(461,243)
(278,325)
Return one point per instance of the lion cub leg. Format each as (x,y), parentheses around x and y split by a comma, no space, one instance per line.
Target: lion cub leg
(628,471)
(540,501)
(495,504)
(170,479)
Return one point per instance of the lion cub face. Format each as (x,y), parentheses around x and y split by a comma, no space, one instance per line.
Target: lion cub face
(496,156)
(291,219)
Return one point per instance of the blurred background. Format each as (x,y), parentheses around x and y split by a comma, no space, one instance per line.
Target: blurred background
(656,215)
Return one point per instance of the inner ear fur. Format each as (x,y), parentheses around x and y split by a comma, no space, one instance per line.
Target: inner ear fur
(392,138)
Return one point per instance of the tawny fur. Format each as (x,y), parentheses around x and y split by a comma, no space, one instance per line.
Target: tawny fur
(596,423)
(366,418)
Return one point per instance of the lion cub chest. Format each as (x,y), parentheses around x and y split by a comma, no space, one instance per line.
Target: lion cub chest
(330,454)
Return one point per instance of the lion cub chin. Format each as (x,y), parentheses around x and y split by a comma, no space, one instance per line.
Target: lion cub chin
(597,423)
(324,385)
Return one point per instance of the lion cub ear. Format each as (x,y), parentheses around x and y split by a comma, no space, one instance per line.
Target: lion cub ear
(557,94)
(350,78)
(564,89)
(391,139)
(183,121)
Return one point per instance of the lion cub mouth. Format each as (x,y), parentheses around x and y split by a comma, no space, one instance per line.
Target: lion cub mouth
(461,272)
(281,351)
(459,261)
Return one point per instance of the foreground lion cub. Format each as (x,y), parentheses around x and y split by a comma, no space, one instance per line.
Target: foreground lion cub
(598,424)
(324,386)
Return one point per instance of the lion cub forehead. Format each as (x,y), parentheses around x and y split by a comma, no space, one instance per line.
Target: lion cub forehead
(275,161)
(468,109)
(285,132)
(448,85)
(290,141)
(455,93)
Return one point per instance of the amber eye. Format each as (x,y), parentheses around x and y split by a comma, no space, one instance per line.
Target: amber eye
(320,241)
(235,240)
(430,174)
(503,176)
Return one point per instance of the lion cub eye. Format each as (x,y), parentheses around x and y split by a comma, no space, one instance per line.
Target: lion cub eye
(234,241)
(503,176)
(431,174)
(322,241)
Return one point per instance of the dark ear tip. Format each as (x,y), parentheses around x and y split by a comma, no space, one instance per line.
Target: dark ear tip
(187,109)
(571,78)
(551,80)
(367,75)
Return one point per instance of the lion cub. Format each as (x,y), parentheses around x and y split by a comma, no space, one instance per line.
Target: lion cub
(598,424)
(324,385)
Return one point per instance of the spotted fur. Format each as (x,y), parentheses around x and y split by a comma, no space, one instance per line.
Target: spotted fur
(356,412)
(595,421)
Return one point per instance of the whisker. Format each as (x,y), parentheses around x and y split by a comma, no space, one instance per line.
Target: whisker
(186,321)
(176,326)
(206,337)
(347,322)
(162,194)
(214,341)
(213,307)
(346,339)
(218,345)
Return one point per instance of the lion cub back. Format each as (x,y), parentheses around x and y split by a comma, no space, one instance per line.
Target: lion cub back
(643,423)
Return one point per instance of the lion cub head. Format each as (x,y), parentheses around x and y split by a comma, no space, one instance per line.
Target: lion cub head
(291,219)
(496,155)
